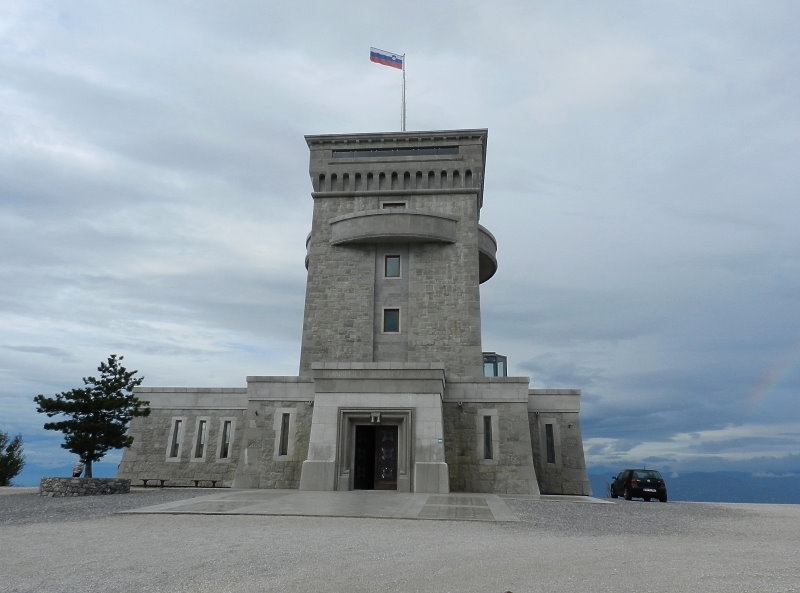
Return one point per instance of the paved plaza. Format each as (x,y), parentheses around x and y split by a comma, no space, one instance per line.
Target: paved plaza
(198,540)
(360,503)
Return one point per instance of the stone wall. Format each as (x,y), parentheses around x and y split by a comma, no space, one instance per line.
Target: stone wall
(83,486)
(151,457)
(261,464)
(510,471)
(443,320)
(437,294)
(562,468)
(339,277)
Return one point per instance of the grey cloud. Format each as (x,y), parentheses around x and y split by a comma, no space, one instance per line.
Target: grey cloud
(47,351)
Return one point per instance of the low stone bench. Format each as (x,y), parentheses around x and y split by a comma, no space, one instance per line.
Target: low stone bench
(159,480)
(213,482)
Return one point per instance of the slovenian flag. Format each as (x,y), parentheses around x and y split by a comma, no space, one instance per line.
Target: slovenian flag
(385,57)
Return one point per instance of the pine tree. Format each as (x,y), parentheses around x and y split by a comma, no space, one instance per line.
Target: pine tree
(11,459)
(97,414)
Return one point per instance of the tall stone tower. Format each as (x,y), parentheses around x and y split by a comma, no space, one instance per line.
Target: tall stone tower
(391,392)
(396,254)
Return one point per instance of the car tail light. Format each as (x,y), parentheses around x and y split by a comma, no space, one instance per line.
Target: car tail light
(634,483)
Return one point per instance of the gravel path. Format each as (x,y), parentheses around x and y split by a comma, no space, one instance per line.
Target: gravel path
(49,545)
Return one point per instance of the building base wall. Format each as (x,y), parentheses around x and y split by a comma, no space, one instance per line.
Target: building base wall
(504,466)
(558,450)
(263,463)
(152,456)
(483,435)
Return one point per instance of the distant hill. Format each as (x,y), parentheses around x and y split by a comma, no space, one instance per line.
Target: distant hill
(717,487)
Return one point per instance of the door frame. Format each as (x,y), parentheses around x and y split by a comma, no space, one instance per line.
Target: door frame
(349,418)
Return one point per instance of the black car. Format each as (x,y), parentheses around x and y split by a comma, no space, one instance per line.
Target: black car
(639,483)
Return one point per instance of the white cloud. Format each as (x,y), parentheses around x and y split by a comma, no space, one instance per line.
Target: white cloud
(705,448)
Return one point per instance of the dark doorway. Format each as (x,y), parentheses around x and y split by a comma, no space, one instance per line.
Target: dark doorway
(375,463)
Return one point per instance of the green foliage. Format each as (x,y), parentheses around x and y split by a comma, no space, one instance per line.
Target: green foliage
(98,414)
(11,459)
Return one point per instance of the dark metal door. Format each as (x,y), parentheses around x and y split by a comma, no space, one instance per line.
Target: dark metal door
(385,458)
(375,462)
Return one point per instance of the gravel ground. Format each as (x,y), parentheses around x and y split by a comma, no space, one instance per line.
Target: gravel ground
(621,518)
(28,507)
(50,545)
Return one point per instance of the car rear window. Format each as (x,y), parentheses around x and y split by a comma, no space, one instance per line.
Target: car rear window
(644,474)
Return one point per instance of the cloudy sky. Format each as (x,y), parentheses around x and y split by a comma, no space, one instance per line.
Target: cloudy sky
(642,181)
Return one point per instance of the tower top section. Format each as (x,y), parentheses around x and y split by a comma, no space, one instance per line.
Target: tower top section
(417,162)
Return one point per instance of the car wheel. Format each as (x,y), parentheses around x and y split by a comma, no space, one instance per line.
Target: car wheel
(663,498)
(627,493)
(613,493)
(647,499)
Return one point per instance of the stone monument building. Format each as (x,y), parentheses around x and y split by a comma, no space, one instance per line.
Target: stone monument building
(394,390)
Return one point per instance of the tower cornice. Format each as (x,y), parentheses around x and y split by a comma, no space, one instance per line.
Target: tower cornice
(317,141)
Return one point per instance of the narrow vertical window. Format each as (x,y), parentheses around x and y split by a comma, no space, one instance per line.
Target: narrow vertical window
(225,448)
(200,445)
(391,266)
(487,438)
(391,320)
(176,438)
(283,448)
(283,431)
(551,443)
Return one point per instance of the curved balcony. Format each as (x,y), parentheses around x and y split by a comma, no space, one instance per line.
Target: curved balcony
(382,226)
(379,226)
(487,254)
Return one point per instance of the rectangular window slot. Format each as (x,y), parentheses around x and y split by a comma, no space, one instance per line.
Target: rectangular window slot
(487,438)
(224,451)
(391,266)
(174,447)
(393,205)
(391,320)
(551,443)
(200,446)
(283,448)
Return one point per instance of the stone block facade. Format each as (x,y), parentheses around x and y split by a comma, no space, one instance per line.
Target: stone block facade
(554,419)
(181,442)
(498,462)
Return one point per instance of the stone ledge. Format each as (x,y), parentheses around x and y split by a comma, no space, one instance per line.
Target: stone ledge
(83,486)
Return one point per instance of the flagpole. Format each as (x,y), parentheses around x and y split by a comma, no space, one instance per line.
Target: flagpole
(403,109)
(387,58)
